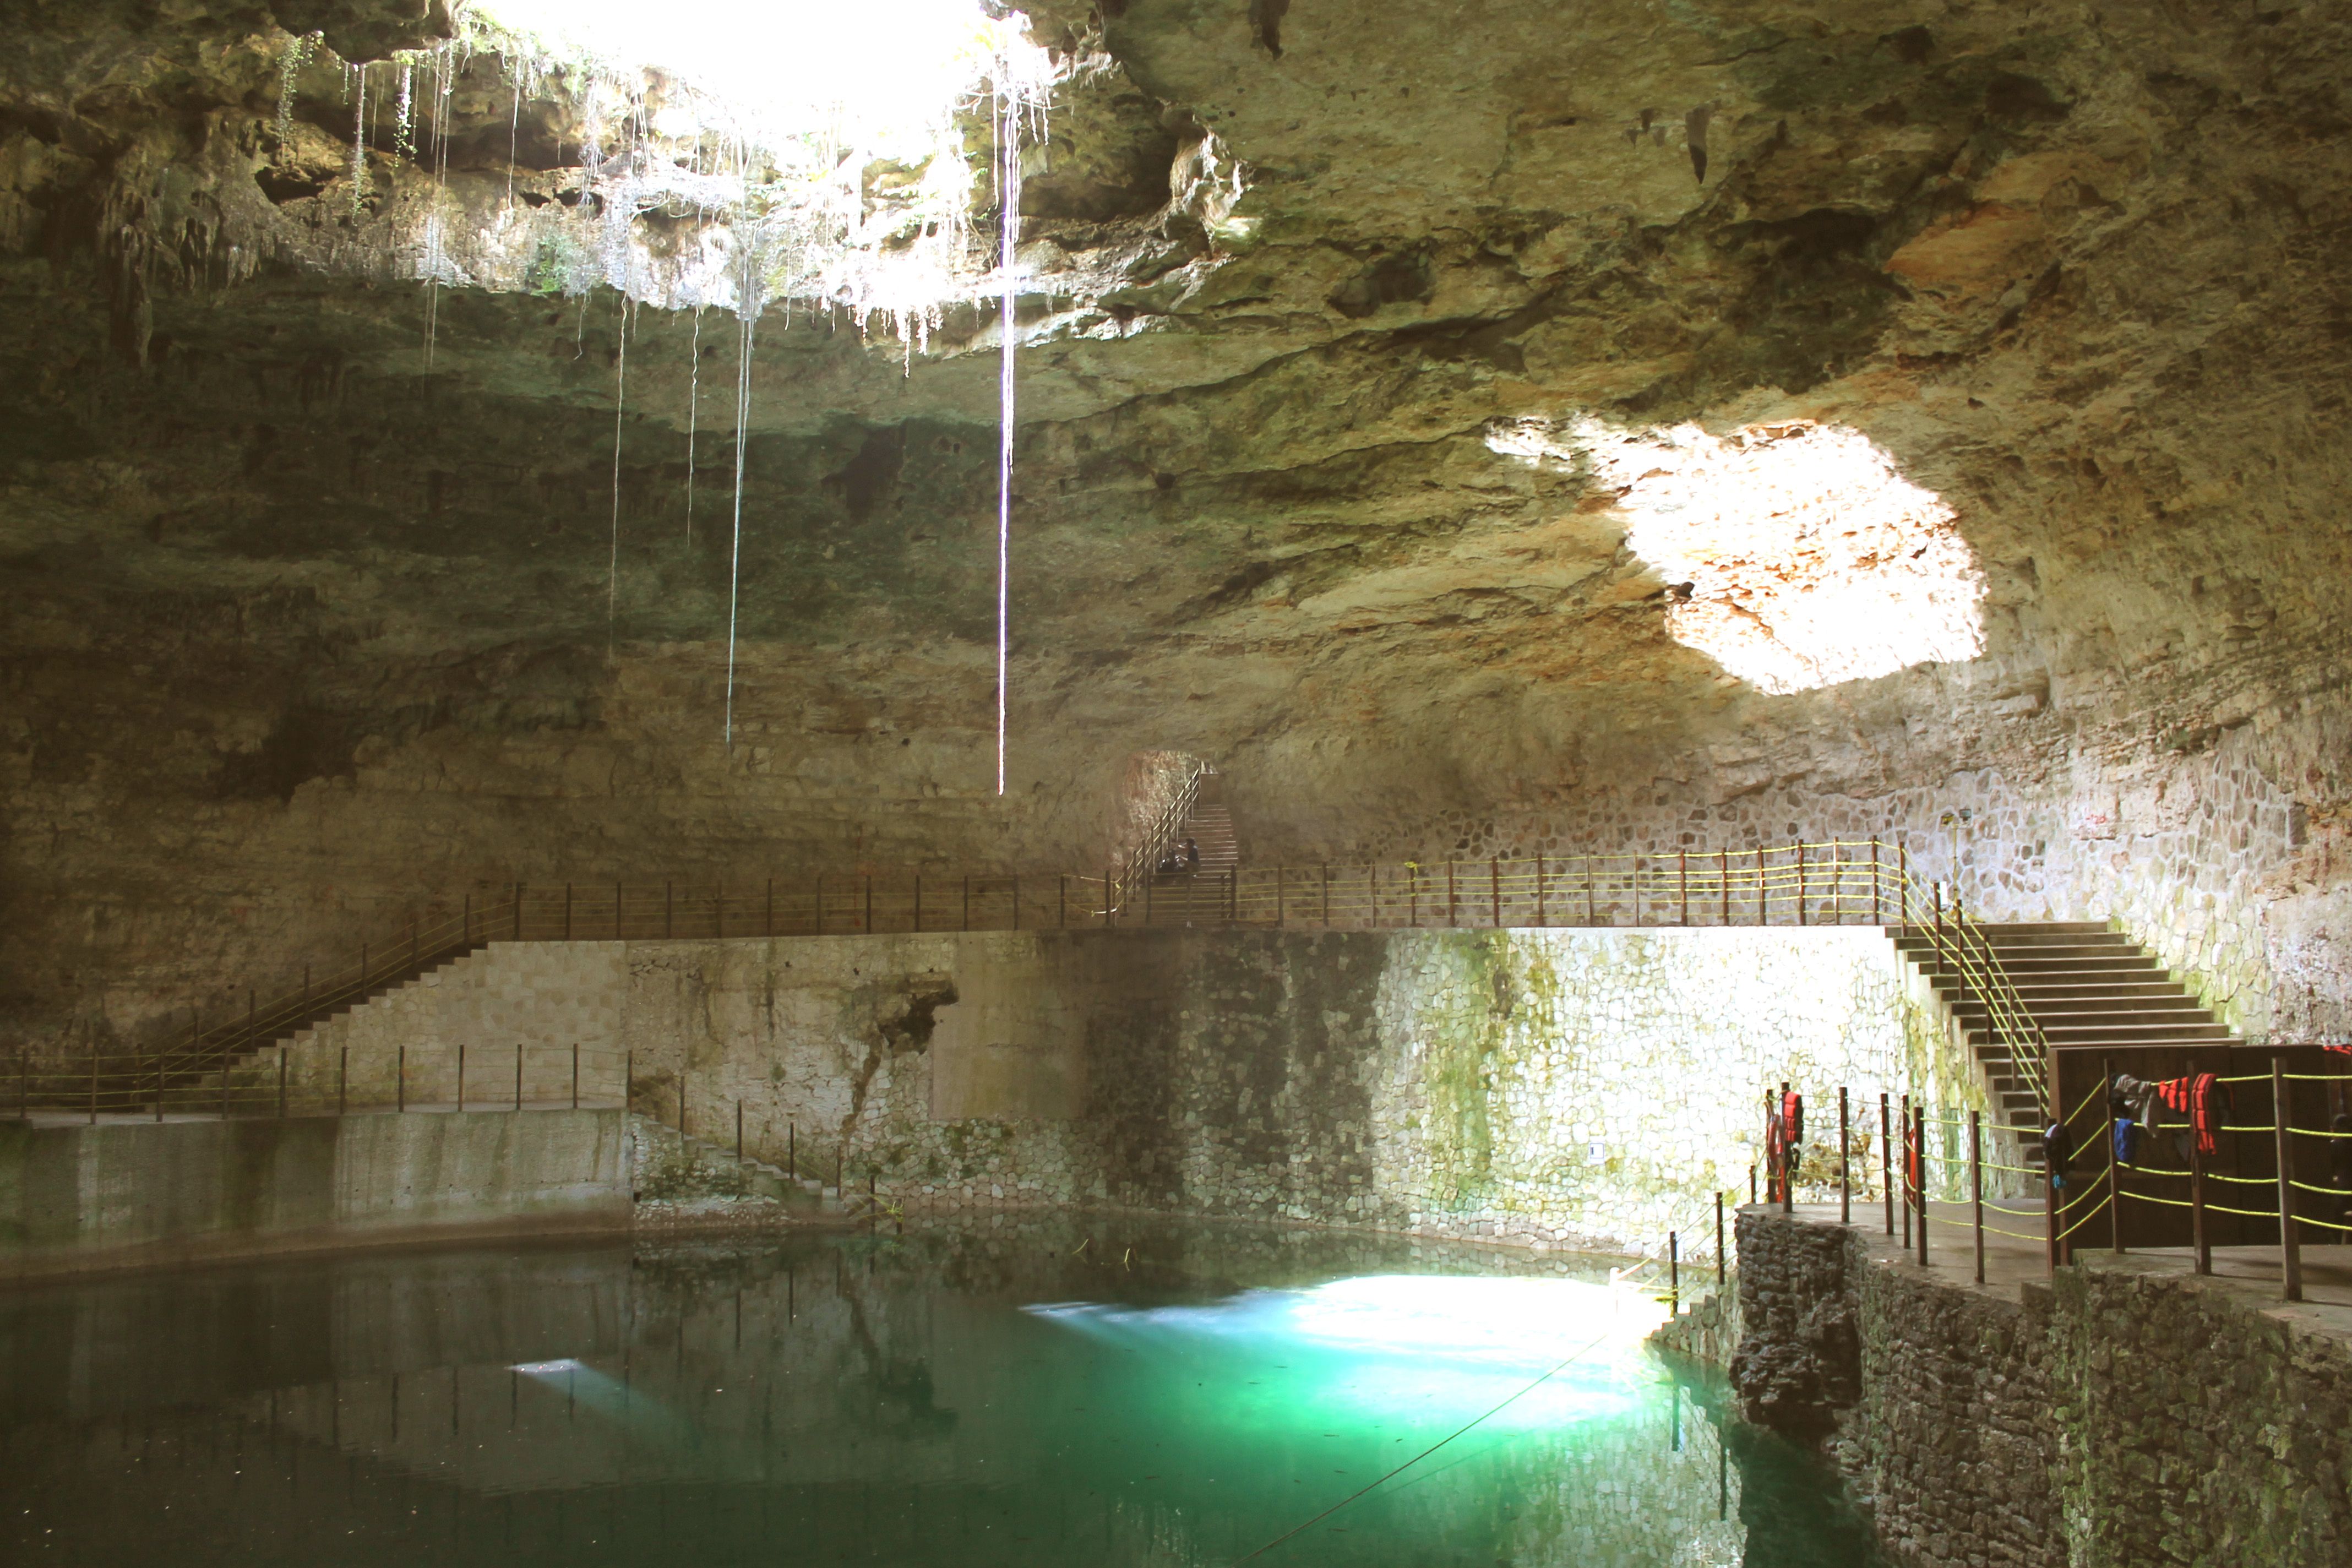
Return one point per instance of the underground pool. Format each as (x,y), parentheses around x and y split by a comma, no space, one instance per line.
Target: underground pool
(1104,1392)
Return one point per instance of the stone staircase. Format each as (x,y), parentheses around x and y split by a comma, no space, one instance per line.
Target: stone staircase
(2084,985)
(1183,898)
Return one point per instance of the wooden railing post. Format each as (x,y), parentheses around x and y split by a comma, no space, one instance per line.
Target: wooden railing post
(1723,876)
(1763,905)
(1877,915)
(1681,884)
(1494,886)
(1909,1174)
(1801,882)
(1541,917)
(2197,1228)
(2289,1244)
(1449,917)
(461,1074)
(1720,1270)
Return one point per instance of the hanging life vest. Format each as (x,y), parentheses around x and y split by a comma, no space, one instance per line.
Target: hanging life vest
(2197,1099)
(1793,1129)
(2126,1141)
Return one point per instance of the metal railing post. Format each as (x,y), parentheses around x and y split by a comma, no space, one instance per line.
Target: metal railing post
(1494,886)
(739,1131)
(1877,916)
(1718,1240)
(1763,895)
(2289,1244)
(1682,883)
(1919,1114)
(518,1075)
(1886,1159)
(1845,1181)
(1910,1174)
(1673,1273)
(1800,883)
(1793,1155)
(1975,1186)
(1449,917)
(1541,917)
(461,1074)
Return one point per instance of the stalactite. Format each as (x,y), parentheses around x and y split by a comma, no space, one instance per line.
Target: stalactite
(693,404)
(746,307)
(1008,195)
(620,401)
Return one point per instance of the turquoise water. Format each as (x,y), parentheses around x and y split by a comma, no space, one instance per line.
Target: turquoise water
(1041,1394)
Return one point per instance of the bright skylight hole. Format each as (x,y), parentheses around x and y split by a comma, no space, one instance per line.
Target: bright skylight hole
(1809,559)
(880,71)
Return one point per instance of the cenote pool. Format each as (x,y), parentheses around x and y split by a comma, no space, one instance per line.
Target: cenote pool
(1099,1391)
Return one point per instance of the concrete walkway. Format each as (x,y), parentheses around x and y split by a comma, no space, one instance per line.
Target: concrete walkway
(2253,1272)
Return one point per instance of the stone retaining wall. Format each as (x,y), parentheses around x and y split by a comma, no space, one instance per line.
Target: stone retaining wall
(1547,1086)
(2119,1416)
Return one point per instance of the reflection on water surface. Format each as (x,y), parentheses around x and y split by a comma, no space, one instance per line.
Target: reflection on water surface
(1038,1393)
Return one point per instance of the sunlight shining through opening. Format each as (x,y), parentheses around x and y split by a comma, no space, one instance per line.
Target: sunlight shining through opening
(1801,556)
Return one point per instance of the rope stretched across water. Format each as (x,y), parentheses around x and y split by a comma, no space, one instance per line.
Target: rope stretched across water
(1474,1422)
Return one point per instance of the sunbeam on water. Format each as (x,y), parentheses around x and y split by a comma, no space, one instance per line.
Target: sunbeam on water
(1407,1351)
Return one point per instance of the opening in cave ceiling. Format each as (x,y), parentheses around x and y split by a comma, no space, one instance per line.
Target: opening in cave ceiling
(1798,555)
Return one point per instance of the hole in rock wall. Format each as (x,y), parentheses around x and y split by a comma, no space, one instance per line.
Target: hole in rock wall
(1797,555)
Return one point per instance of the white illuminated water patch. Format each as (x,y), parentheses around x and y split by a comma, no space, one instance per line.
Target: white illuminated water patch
(1428,1350)
(1807,558)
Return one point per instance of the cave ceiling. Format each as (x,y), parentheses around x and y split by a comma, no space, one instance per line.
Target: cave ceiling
(2078,271)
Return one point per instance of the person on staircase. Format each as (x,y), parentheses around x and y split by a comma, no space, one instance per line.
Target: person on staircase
(1190,855)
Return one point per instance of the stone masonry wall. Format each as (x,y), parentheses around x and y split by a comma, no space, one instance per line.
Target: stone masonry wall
(2123,1415)
(1548,1087)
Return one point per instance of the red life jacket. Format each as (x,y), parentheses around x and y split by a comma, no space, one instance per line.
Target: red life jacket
(2193,1097)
